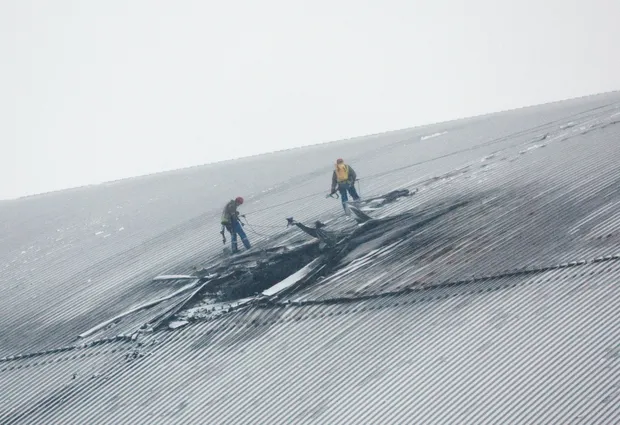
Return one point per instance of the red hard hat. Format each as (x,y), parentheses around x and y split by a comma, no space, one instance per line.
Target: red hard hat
(339,160)
(239,200)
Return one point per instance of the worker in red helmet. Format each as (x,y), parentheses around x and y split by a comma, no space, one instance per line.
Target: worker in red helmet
(230,221)
(343,179)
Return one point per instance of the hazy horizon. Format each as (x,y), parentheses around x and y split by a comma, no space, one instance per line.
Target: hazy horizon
(301,146)
(98,92)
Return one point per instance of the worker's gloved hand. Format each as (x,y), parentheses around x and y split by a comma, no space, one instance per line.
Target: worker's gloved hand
(332,192)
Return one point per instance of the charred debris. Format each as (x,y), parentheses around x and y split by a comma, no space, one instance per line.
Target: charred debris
(269,274)
(266,276)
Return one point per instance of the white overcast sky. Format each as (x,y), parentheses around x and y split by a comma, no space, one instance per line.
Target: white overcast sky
(95,90)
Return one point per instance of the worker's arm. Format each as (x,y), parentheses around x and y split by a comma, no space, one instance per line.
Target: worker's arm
(234,214)
(352,175)
(334,182)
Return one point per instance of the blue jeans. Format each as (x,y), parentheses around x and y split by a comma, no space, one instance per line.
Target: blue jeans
(350,188)
(237,229)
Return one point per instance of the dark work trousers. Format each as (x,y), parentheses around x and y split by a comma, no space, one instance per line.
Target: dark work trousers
(350,188)
(237,229)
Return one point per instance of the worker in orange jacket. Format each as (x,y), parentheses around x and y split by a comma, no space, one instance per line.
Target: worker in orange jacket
(343,179)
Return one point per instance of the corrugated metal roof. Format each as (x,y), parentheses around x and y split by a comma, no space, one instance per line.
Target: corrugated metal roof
(498,303)
(536,350)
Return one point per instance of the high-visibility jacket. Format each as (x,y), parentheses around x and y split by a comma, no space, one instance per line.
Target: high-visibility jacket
(342,174)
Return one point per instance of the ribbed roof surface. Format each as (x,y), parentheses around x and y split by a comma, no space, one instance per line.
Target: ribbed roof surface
(493,300)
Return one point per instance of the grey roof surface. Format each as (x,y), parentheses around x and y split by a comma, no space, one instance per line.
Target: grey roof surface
(495,300)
